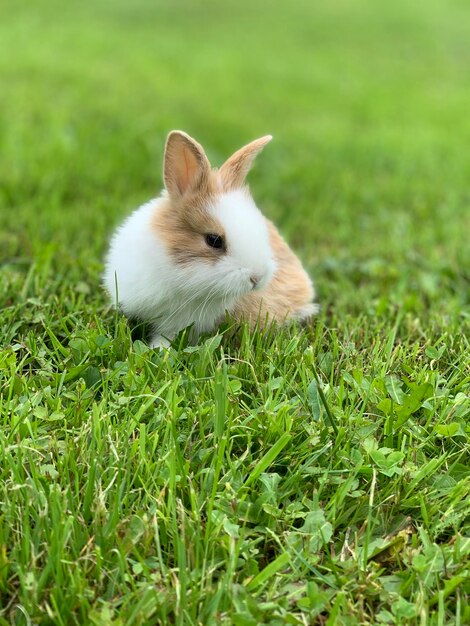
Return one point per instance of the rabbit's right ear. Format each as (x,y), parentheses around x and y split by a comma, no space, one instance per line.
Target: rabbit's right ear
(186,166)
(236,168)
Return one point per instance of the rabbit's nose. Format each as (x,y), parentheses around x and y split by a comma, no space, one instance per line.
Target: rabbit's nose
(254,279)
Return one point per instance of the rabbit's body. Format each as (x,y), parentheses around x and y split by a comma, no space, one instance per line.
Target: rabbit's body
(203,248)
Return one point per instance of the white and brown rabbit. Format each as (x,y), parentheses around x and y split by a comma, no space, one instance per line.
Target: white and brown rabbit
(203,249)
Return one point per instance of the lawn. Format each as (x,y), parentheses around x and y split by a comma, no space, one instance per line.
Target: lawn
(311,476)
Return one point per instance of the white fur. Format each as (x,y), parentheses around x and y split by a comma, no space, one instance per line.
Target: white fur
(152,287)
(248,239)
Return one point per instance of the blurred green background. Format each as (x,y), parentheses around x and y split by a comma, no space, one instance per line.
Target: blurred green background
(368,103)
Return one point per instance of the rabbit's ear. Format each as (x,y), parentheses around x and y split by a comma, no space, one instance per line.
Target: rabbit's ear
(235,169)
(186,166)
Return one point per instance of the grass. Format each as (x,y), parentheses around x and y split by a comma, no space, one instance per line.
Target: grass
(316,476)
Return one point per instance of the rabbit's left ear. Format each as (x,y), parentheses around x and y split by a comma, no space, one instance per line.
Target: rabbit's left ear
(236,168)
(186,167)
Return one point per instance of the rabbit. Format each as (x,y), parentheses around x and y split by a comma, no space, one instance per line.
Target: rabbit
(203,249)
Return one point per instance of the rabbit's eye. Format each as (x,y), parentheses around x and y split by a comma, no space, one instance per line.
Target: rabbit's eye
(215,241)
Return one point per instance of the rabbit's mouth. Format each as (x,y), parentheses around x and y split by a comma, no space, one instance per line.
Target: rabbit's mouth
(259,280)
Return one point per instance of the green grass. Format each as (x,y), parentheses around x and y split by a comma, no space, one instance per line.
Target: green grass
(315,476)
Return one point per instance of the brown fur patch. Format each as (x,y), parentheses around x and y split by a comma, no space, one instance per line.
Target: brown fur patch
(289,294)
(183,224)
